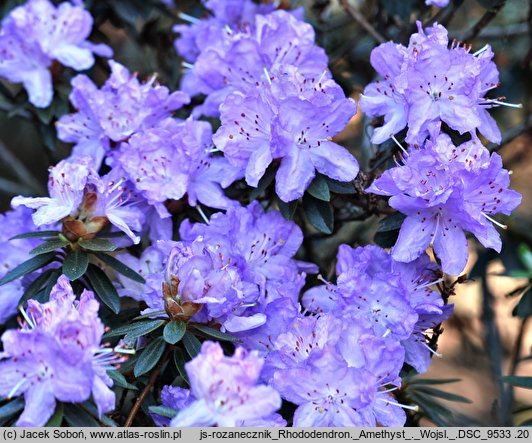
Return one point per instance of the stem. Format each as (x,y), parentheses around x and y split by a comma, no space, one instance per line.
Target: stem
(361,20)
(518,345)
(147,388)
(482,23)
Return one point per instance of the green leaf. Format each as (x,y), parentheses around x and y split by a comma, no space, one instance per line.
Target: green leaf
(264,182)
(103,287)
(318,188)
(38,234)
(75,264)
(522,382)
(120,380)
(442,394)
(150,315)
(287,209)
(431,381)
(319,214)
(120,267)
(149,357)
(97,245)
(35,286)
(339,187)
(92,409)
(210,332)
(525,255)
(11,408)
(391,222)
(192,344)
(28,266)
(56,419)
(524,307)
(50,245)
(174,331)
(436,412)
(179,360)
(77,417)
(135,330)
(165,411)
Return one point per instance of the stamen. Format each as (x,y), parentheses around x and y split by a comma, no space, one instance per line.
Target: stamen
(26,317)
(267,75)
(500,103)
(432,351)
(481,50)
(435,230)
(500,225)
(430,283)
(188,18)
(16,387)
(388,332)
(410,407)
(187,65)
(203,216)
(399,144)
(320,278)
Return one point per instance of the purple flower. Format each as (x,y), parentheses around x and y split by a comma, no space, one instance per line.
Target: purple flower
(172,397)
(78,193)
(57,355)
(36,34)
(427,83)
(122,107)
(442,200)
(438,3)
(225,389)
(169,161)
(13,253)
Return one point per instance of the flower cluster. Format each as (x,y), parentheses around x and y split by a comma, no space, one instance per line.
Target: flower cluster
(37,34)
(224,391)
(277,102)
(427,83)
(445,190)
(85,202)
(231,270)
(57,355)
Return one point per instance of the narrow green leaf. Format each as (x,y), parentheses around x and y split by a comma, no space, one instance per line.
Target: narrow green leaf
(75,264)
(442,394)
(524,307)
(97,245)
(432,381)
(179,360)
(150,315)
(319,214)
(192,344)
(120,381)
(340,187)
(522,382)
(120,267)
(318,188)
(216,334)
(525,254)
(77,417)
(391,222)
(103,287)
(287,209)
(54,276)
(264,182)
(436,412)
(92,409)
(48,246)
(11,408)
(28,266)
(149,357)
(135,330)
(35,286)
(56,419)
(165,411)
(174,331)
(38,234)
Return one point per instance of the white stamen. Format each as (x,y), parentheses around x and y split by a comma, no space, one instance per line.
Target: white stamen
(322,75)
(320,278)
(388,332)
(267,75)
(228,29)
(481,50)
(500,225)
(435,230)
(430,283)
(412,408)
(26,317)
(188,18)
(436,354)
(399,144)
(203,216)
(210,151)
(16,387)
(187,65)
(498,102)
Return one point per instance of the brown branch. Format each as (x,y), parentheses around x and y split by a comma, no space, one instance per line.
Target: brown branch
(361,20)
(149,385)
(482,23)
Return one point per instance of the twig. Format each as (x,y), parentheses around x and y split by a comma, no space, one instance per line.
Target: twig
(518,345)
(147,388)
(19,169)
(511,135)
(361,20)
(514,30)
(482,23)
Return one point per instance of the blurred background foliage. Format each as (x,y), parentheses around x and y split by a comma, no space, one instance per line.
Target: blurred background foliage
(489,338)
